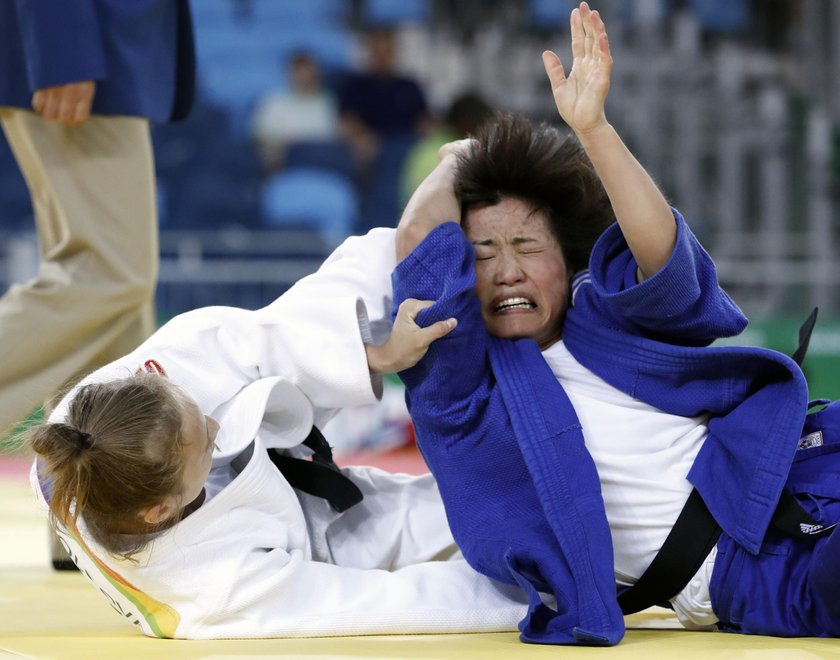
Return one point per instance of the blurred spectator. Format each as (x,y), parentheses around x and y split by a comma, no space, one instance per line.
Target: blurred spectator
(382,114)
(463,117)
(306,111)
(378,102)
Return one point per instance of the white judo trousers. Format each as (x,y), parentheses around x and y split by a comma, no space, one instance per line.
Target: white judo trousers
(260,559)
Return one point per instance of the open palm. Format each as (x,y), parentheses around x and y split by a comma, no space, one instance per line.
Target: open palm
(580,97)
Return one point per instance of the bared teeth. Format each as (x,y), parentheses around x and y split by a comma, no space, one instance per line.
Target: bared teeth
(518,301)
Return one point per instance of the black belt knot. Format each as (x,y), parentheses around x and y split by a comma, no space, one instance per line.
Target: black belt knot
(320,476)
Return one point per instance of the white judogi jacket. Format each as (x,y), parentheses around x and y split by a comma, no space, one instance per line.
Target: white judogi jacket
(260,559)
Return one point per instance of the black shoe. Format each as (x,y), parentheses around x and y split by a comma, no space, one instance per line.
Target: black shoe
(61,560)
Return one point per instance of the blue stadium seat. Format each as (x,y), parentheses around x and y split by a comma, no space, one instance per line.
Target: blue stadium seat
(554,14)
(210,200)
(180,146)
(217,188)
(310,198)
(332,155)
(236,85)
(234,41)
(393,12)
(162,202)
(15,205)
(239,62)
(211,13)
(298,12)
(550,14)
(722,15)
(381,205)
(330,45)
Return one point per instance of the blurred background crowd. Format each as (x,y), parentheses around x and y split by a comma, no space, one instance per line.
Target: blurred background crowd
(316,118)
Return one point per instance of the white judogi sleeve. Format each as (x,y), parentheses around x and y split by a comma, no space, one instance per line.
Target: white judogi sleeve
(311,336)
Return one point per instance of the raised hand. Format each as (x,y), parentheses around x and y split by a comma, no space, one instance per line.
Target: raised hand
(580,97)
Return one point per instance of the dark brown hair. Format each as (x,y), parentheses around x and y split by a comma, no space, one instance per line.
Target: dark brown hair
(119,450)
(512,157)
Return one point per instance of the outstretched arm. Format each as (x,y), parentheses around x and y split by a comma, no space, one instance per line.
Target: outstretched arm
(642,212)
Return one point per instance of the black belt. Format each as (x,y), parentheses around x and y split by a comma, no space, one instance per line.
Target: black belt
(320,476)
(696,532)
(691,540)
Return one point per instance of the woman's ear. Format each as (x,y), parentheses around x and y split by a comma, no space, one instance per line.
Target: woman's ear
(158,513)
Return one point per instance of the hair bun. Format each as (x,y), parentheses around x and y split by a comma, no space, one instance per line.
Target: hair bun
(80,440)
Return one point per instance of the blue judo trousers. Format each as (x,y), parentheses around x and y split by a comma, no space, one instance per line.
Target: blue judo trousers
(521,492)
(791,588)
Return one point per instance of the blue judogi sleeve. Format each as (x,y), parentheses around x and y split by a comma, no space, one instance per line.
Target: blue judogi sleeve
(521,492)
(681,304)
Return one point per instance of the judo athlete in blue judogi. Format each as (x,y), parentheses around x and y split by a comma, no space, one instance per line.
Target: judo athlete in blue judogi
(585,435)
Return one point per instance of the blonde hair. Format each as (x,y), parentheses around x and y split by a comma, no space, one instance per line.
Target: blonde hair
(118,451)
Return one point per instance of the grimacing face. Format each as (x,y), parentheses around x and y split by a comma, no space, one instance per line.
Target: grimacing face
(521,277)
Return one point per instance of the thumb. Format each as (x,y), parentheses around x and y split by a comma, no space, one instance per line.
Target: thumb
(554,68)
(438,330)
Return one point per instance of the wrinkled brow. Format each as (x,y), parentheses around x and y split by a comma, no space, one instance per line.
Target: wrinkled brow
(516,240)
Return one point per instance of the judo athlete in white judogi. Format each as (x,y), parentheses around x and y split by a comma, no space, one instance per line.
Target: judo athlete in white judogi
(251,556)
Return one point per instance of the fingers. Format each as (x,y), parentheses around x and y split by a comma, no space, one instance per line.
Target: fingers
(39,99)
(455,147)
(588,29)
(411,307)
(596,32)
(602,43)
(588,33)
(48,103)
(578,36)
(67,104)
(408,342)
(80,113)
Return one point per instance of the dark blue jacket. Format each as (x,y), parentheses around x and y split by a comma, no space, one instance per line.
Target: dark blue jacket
(500,435)
(139,52)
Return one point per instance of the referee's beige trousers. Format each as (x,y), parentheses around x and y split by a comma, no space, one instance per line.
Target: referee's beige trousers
(92,301)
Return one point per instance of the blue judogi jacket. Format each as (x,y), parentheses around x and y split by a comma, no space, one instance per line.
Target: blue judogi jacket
(505,444)
(139,52)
